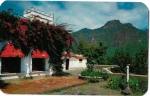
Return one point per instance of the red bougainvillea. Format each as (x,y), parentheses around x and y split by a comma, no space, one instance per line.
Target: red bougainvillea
(28,35)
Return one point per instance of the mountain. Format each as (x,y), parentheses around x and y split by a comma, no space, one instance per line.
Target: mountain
(114,34)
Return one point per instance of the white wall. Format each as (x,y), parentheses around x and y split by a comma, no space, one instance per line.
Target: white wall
(26,65)
(75,64)
(47,66)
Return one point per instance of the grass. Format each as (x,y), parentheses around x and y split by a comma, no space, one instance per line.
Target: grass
(86,89)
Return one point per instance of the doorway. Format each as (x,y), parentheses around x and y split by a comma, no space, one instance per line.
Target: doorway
(67,64)
(38,64)
(11,65)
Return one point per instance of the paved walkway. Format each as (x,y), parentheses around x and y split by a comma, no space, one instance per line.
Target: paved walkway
(36,86)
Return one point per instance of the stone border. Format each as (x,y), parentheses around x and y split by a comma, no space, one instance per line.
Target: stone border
(134,75)
(88,77)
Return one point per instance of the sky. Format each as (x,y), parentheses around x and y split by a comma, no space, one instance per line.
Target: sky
(86,14)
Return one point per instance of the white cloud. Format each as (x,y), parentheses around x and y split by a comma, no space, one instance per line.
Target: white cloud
(92,14)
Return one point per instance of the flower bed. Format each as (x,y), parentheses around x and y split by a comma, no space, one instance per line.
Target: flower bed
(93,76)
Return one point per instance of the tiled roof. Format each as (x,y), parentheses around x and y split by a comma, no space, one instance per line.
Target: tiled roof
(10,51)
(73,55)
(39,54)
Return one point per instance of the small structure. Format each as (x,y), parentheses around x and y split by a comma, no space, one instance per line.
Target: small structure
(73,61)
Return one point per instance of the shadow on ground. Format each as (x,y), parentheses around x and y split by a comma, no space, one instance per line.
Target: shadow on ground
(3,84)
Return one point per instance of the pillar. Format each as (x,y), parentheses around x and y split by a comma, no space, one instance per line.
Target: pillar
(30,64)
(46,64)
(127,74)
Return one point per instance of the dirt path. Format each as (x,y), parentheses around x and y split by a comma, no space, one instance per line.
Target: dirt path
(44,84)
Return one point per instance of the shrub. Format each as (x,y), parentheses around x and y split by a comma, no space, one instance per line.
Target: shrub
(61,74)
(93,80)
(113,83)
(136,84)
(116,70)
(94,74)
(58,90)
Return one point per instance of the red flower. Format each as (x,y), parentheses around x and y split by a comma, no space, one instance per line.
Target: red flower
(8,24)
(22,20)
(38,33)
(12,30)
(25,43)
(23,29)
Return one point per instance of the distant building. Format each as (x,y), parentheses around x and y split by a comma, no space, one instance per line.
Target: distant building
(37,14)
(73,61)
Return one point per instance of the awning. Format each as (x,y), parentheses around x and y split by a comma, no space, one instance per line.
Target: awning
(39,54)
(72,55)
(10,51)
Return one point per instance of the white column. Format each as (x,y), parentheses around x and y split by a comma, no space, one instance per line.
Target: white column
(30,64)
(0,65)
(127,74)
(46,64)
(26,62)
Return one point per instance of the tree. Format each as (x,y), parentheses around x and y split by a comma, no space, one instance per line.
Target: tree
(140,63)
(121,58)
(95,53)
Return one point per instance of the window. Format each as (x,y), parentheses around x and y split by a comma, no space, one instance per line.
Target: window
(80,60)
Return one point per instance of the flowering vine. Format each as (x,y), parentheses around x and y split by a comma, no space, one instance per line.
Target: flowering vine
(27,35)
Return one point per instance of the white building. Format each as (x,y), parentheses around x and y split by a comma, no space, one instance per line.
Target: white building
(13,63)
(40,15)
(74,61)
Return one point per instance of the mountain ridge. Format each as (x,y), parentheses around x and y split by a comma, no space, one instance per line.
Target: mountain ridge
(114,33)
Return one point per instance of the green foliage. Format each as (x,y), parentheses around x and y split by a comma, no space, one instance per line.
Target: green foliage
(95,53)
(140,63)
(136,84)
(94,74)
(113,83)
(61,73)
(93,80)
(90,66)
(121,58)
(58,90)
(116,70)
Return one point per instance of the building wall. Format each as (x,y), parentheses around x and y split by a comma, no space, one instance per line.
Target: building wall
(75,64)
